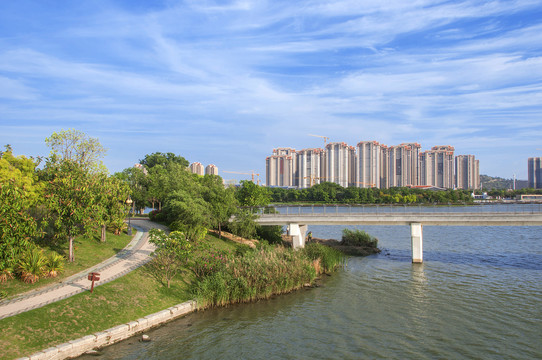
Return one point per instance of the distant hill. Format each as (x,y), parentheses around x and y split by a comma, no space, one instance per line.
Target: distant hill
(493,182)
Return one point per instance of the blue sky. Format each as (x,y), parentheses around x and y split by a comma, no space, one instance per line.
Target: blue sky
(225,82)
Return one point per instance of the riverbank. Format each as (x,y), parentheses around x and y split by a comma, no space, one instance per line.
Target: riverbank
(139,294)
(90,343)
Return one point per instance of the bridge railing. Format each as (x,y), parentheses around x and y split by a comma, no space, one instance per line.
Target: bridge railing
(398,209)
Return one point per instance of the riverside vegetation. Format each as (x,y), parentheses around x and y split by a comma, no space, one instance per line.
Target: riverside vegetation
(61,208)
(217,272)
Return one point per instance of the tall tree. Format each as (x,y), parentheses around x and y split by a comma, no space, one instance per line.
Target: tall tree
(221,200)
(70,200)
(250,194)
(138,182)
(21,172)
(110,202)
(158,158)
(76,146)
(73,173)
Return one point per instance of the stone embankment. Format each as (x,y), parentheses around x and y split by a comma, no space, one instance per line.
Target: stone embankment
(78,347)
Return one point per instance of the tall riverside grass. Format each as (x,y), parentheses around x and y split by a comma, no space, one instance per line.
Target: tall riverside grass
(256,275)
(329,258)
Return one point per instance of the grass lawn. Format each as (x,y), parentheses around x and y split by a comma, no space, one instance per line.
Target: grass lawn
(88,252)
(126,299)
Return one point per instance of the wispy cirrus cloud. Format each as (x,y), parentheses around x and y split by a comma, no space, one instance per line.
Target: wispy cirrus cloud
(210,79)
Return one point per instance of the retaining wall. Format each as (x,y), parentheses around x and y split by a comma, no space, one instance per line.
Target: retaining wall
(107,337)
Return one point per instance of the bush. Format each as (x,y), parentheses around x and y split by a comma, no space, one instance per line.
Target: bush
(54,265)
(157,215)
(358,238)
(32,265)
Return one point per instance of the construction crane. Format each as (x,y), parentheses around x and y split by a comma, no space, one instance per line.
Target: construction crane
(245,173)
(320,136)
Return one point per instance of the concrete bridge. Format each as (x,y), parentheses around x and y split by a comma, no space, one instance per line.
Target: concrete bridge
(297,219)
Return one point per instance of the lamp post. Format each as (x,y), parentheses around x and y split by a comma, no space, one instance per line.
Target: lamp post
(129,202)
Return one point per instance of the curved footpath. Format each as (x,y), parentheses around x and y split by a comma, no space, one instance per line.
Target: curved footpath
(135,254)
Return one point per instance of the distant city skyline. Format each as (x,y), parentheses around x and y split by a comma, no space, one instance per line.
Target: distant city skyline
(223,82)
(371,164)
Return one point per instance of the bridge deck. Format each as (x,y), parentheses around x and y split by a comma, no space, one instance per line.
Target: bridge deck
(427,219)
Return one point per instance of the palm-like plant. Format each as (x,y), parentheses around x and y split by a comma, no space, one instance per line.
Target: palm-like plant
(32,265)
(54,265)
(6,272)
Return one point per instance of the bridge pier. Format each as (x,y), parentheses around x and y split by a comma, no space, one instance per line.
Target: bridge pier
(416,239)
(298,233)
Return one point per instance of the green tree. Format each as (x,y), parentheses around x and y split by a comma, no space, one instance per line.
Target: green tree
(188,213)
(244,224)
(70,200)
(171,254)
(221,200)
(17,228)
(77,147)
(158,158)
(110,195)
(138,182)
(21,172)
(250,194)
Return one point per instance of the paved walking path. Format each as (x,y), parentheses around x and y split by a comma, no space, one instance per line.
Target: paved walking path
(135,254)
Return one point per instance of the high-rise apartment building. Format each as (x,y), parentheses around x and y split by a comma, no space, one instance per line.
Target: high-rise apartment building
(368,164)
(197,168)
(426,168)
(534,169)
(310,167)
(384,167)
(211,170)
(340,164)
(442,167)
(403,162)
(280,168)
(467,172)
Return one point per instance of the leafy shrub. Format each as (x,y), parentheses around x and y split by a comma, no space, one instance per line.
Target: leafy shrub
(32,265)
(157,215)
(358,238)
(54,265)
(6,272)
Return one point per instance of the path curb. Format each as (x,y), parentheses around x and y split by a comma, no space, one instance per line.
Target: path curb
(74,348)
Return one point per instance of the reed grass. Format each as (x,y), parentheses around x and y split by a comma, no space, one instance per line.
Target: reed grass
(329,258)
(261,273)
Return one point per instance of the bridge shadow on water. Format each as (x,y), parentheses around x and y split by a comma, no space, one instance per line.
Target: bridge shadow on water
(523,261)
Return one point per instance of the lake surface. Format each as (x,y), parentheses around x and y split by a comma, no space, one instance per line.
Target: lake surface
(478,295)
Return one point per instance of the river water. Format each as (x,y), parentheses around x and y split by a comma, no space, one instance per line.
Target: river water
(478,295)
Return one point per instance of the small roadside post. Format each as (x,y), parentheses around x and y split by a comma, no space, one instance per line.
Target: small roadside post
(93,276)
